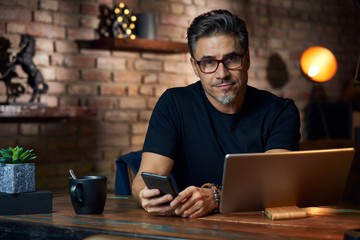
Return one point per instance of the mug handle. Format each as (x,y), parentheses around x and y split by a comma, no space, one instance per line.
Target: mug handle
(74,196)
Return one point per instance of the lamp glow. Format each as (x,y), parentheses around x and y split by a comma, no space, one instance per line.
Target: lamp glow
(318,64)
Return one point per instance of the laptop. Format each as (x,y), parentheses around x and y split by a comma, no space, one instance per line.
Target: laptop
(255,181)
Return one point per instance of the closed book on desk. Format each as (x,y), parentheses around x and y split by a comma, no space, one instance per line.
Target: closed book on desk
(26,203)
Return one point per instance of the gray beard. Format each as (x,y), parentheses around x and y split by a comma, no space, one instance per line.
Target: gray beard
(225,100)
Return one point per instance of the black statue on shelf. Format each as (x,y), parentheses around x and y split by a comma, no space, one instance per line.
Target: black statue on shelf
(13,90)
(24,58)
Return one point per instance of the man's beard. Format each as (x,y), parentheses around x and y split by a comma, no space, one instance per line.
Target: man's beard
(226,99)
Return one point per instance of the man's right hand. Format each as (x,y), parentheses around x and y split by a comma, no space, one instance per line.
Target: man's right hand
(155,204)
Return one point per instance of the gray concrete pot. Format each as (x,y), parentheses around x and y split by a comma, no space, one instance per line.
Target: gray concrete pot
(17,178)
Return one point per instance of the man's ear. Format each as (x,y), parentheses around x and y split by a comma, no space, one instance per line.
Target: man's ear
(247,60)
(193,64)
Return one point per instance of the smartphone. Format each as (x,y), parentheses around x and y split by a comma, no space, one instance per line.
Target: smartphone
(163,183)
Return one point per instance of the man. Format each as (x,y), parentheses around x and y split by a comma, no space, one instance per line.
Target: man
(192,128)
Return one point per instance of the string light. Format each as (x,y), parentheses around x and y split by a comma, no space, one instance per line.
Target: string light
(124,24)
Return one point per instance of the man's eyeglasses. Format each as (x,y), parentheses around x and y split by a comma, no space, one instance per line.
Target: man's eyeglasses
(232,62)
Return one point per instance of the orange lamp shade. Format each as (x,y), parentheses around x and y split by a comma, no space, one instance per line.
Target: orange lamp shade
(318,63)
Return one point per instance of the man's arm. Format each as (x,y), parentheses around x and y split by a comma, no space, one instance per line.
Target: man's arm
(150,162)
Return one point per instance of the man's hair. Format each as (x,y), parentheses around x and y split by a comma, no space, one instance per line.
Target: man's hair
(217,22)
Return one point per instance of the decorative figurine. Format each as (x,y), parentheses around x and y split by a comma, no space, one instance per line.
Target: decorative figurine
(118,22)
(25,59)
(13,90)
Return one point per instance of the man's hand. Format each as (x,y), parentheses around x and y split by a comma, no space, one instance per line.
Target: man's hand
(194,202)
(155,204)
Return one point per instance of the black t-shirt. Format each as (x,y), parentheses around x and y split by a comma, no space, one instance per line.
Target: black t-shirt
(185,127)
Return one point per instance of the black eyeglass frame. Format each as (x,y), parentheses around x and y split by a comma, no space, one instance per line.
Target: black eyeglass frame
(221,61)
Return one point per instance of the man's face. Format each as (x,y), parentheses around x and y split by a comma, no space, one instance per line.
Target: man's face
(224,87)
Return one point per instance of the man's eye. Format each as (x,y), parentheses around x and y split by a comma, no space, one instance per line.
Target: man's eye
(230,58)
(208,62)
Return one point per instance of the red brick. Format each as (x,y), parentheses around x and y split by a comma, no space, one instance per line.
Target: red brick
(127,76)
(57,59)
(96,75)
(80,34)
(49,5)
(115,90)
(176,20)
(2,27)
(171,32)
(69,6)
(112,141)
(81,89)
(15,14)
(50,101)
(65,47)
(146,90)
(79,61)
(8,129)
(45,30)
(133,90)
(113,128)
(111,63)
(89,8)
(132,103)
(102,103)
(139,128)
(137,140)
(53,129)
(177,8)
(66,19)
(175,66)
(145,115)
(31,4)
(67,74)
(148,65)
(56,88)
(30,143)
(16,28)
(29,129)
(151,79)
(66,100)
(151,102)
(176,80)
(44,45)
(48,73)
(94,52)
(120,116)
(43,16)
(41,59)
(89,22)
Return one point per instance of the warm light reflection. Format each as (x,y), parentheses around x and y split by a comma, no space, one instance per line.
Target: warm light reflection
(318,63)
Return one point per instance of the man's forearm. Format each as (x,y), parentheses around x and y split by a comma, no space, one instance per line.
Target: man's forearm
(136,187)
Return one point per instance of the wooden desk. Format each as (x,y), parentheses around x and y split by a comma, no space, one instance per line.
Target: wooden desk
(123,219)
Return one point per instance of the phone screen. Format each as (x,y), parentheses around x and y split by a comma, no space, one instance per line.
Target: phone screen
(163,183)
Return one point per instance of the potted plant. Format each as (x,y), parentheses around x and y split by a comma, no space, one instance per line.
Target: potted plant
(17,172)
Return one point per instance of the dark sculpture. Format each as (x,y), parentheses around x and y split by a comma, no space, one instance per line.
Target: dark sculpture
(13,90)
(25,59)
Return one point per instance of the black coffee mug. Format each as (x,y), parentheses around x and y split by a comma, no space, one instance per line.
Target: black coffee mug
(88,194)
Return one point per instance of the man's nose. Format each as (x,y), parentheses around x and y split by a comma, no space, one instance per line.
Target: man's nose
(222,71)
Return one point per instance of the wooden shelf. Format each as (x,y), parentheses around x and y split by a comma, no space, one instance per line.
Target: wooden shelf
(40,113)
(137,45)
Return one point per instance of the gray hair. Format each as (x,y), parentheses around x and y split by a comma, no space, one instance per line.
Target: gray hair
(217,22)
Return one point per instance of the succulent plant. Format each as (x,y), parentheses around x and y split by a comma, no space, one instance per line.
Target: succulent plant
(16,155)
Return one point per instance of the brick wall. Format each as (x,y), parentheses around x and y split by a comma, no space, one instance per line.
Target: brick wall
(124,86)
